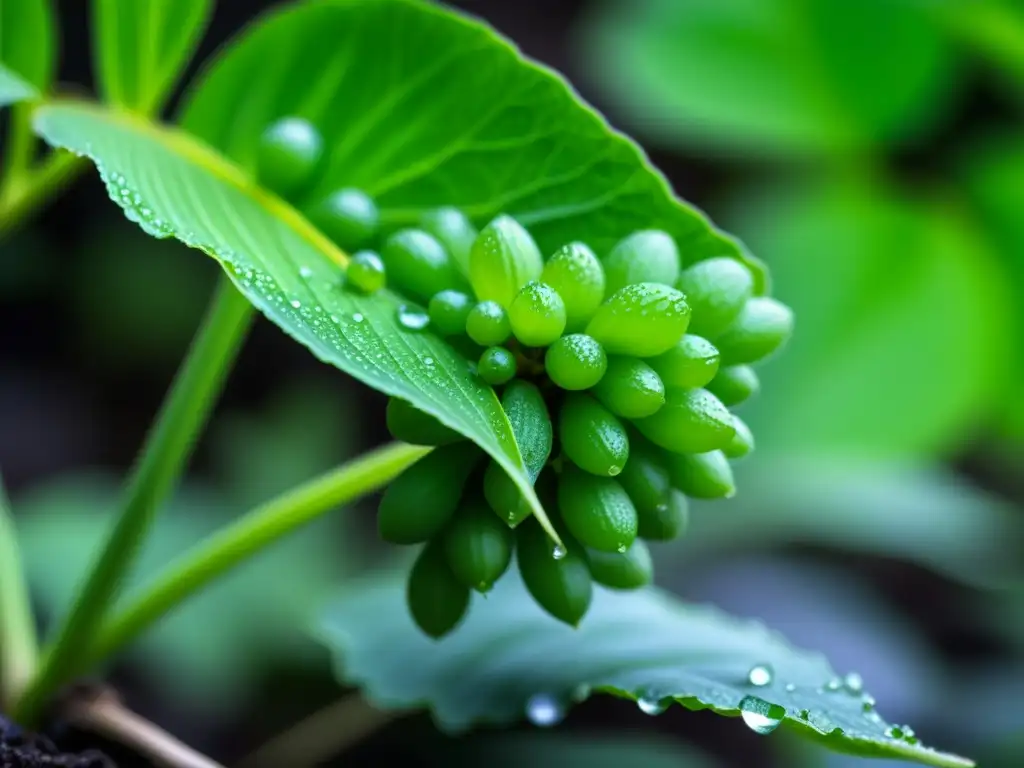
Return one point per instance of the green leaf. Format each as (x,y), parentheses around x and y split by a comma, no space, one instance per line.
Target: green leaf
(173,186)
(905,511)
(777,77)
(509,657)
(142,47)
(557,750)
(27,36)
(904,328)
(421,107)
(13,89)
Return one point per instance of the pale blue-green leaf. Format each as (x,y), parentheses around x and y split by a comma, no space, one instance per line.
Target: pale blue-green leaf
(173,186)
(13,89)
(509,659)
(559,750)
(27,43)
(142,46)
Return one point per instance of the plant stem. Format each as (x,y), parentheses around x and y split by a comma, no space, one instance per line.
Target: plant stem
(182,416)
(33,187)
(17,624)
(247,537)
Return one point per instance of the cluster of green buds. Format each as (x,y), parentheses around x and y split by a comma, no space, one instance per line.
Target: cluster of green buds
(617,374)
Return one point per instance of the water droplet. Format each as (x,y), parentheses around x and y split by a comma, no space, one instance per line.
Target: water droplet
(834,684)
(305,272)
(412,318)
(428,361)
(894,732)
(790,687)
(661,508)
(653,705)
(760,675)
(613,470)
(357,317)
(760,716)
(621,549)
(558,552)
(854,683)
(544,710)
(867,702)
(296,303)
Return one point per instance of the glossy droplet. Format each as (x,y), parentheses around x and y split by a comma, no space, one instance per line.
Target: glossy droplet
(760,716)
(296,303)
(854,683)
(412,318)
(651,705)
(760,675)
(366,271)
(868,702)
(790,688)
(305,272)
(833,685)
(558,552)
(894,732)
(544,710)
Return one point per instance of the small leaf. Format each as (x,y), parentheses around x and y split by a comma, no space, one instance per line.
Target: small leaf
(142,47)
(643,645)
(27,35)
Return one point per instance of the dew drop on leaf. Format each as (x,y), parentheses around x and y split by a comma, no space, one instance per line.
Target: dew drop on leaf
(760,675)
(357,317)
(790,687)
(412,318)
(868,702)
(834,684)
(544,710)
(652,705)
(894,732)
(558,552)
(305,272)
(760,716)
(296,303)
(854,683)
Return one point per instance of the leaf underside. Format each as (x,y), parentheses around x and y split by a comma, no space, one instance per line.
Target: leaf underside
(643,645)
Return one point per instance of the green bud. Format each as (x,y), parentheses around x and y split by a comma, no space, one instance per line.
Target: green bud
(421,500)
(666,521)
(487,324)
(348,216)
(760,328)
(645,477)
(742,442)
(574,271)
(631,569)
(418,264)
(437,600)
(596,510)
(592,437)
(288,156)
(455,232)
(409,424)
(735,384)
(504,497)
(366,272)
(449,310)
(691,363)
(702,475)
(496,366)
(642,320)
(561,585)
(716,290)
(502,260)
(478,546)
(527,413)
(537,314)
(630,388)
(647,256)
(575,362)
(691,421)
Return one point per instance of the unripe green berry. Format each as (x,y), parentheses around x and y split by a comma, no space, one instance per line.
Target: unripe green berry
(528,416)
(502,260)
(742,442)
(630,388)
(575,272)
(449,310)
(537,314)
(366,272)
(702,475)
(647,256)
(288,155)
(478,546)
(642,320)
(418,264)
(761,327)
(666,521)
(691,363)
(497,366)
(596,510)
(455,232)
(419,502)
(716,290)
(592,437)
(691,421)
(409,424)
(576,362)
(504,497)
(735,384)
(348,216)
(487,324)
(645,477)
(437,600)
(631,569)
(562,585)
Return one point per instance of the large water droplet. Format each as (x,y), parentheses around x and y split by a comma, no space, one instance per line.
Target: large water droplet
(854,683)
(867,702)
(544,710)
(834,684)
(760,675)
(357,317)
(790,687)
(296,303)
(653,705)
(305,272)
(894,732)
(558,552)
(412,318)
(760,716)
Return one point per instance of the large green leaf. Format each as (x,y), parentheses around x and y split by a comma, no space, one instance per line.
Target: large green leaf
(27,38)
(142,47)
(904,321)
(421,107)
(13,89)
(777,77)
(509,657)
(557,750)
(172,185)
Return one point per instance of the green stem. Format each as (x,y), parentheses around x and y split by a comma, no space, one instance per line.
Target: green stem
(20,144)
(248,536)
(30,190)
(168,446)
(17,624)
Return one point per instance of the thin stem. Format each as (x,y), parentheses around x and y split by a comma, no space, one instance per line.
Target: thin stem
(184,413)
(321,736)
(33,188)
(20,144)
(18,649)
(248,536)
